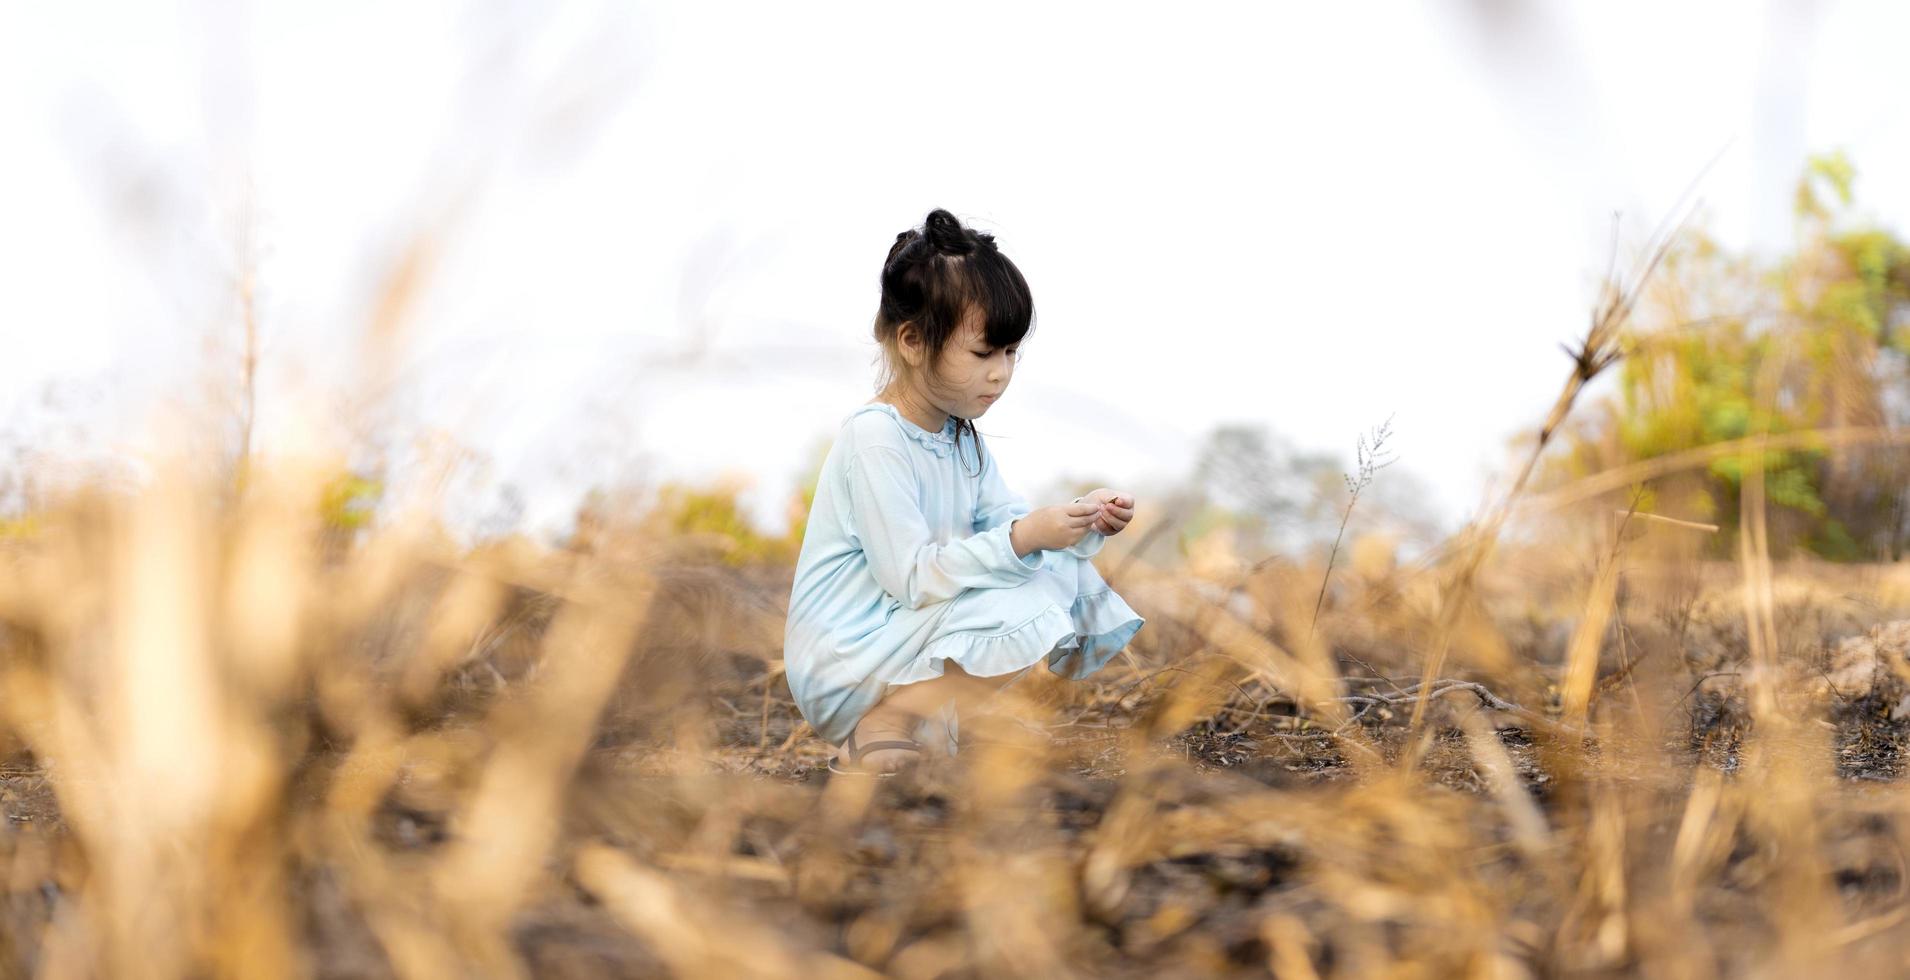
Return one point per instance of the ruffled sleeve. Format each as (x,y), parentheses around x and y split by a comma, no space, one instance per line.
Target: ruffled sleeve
(1089,545)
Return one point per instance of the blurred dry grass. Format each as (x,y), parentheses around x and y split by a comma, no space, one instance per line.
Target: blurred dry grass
(238,738)
(238,745)
(241,735)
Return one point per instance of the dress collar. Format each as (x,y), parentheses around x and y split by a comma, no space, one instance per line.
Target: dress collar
(942,443)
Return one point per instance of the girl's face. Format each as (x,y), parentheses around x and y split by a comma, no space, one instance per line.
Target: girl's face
(970,375)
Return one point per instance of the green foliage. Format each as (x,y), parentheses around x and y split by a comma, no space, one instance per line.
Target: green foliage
(348,502)
(711,516)
(22,526)
(1727,349)
(1828,171)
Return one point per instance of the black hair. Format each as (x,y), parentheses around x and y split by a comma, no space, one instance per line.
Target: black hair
(933,275)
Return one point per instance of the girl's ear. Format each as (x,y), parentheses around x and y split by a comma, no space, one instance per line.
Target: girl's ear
(909,340)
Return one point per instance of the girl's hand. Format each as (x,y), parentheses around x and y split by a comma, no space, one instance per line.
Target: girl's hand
(1053,528)
(1116,509)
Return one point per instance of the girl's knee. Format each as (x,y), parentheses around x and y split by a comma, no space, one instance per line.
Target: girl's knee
(996,681)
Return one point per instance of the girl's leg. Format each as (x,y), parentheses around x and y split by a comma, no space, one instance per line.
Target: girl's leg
(897,715)
(979,613)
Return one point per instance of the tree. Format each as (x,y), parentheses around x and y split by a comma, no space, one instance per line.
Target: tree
(1726,347)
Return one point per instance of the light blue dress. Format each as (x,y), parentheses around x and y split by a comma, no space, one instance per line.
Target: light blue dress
(906,565)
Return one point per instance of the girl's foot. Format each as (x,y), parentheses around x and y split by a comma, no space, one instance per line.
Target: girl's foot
(882,743)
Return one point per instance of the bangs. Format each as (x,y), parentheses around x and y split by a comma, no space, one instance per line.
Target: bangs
(995,286)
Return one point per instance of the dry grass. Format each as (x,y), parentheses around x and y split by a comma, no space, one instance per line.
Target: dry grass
(234,746)
(234,742)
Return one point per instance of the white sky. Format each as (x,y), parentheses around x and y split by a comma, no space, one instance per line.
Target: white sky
(663,224)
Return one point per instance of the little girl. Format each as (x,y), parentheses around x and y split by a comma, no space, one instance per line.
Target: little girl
(922,577)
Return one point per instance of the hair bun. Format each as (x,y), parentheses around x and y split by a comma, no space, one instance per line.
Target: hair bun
(947,235)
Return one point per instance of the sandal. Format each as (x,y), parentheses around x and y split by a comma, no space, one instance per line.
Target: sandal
(857,752)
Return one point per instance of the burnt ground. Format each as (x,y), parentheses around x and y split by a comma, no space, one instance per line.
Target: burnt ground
(883,894)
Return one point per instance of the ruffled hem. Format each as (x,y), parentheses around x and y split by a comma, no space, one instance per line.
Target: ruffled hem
(1104,623)
(1075,643)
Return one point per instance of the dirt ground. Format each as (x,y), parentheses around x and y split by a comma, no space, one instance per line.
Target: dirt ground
(1177,821)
